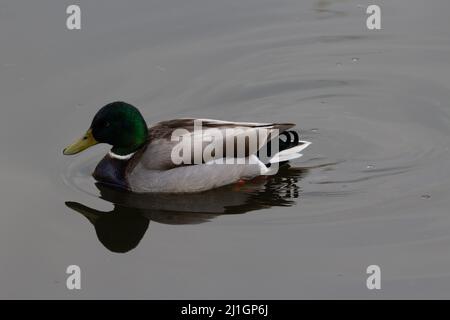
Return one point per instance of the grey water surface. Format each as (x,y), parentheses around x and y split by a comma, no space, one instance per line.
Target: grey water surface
(373,188)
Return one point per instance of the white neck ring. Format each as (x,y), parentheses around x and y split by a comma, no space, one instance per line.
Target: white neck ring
(119,157)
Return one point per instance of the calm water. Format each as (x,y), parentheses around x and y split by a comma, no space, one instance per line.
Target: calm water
(373,188)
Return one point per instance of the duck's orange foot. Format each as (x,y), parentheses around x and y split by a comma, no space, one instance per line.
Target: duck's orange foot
(239,184)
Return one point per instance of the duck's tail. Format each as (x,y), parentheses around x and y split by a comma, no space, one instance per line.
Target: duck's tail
(289,148)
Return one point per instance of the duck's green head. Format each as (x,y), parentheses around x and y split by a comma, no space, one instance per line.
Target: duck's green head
(118,124)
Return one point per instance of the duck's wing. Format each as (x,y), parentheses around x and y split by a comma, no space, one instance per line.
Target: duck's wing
(213,138)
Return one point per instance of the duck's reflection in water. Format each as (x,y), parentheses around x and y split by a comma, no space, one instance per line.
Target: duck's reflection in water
(121,229)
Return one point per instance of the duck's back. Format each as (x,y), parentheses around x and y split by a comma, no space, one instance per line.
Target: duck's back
(166,135)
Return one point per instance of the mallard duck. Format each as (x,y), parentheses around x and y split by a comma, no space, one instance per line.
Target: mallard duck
(141,159)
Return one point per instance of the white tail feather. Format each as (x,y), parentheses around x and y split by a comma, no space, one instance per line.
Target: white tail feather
(291,153)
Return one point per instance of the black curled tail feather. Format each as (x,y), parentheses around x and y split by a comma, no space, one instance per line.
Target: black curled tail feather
(292,139)
(286,140)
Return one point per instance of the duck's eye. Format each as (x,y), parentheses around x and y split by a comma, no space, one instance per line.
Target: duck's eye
(107,124)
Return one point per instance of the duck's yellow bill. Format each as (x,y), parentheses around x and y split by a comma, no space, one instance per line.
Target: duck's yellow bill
(85,142)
